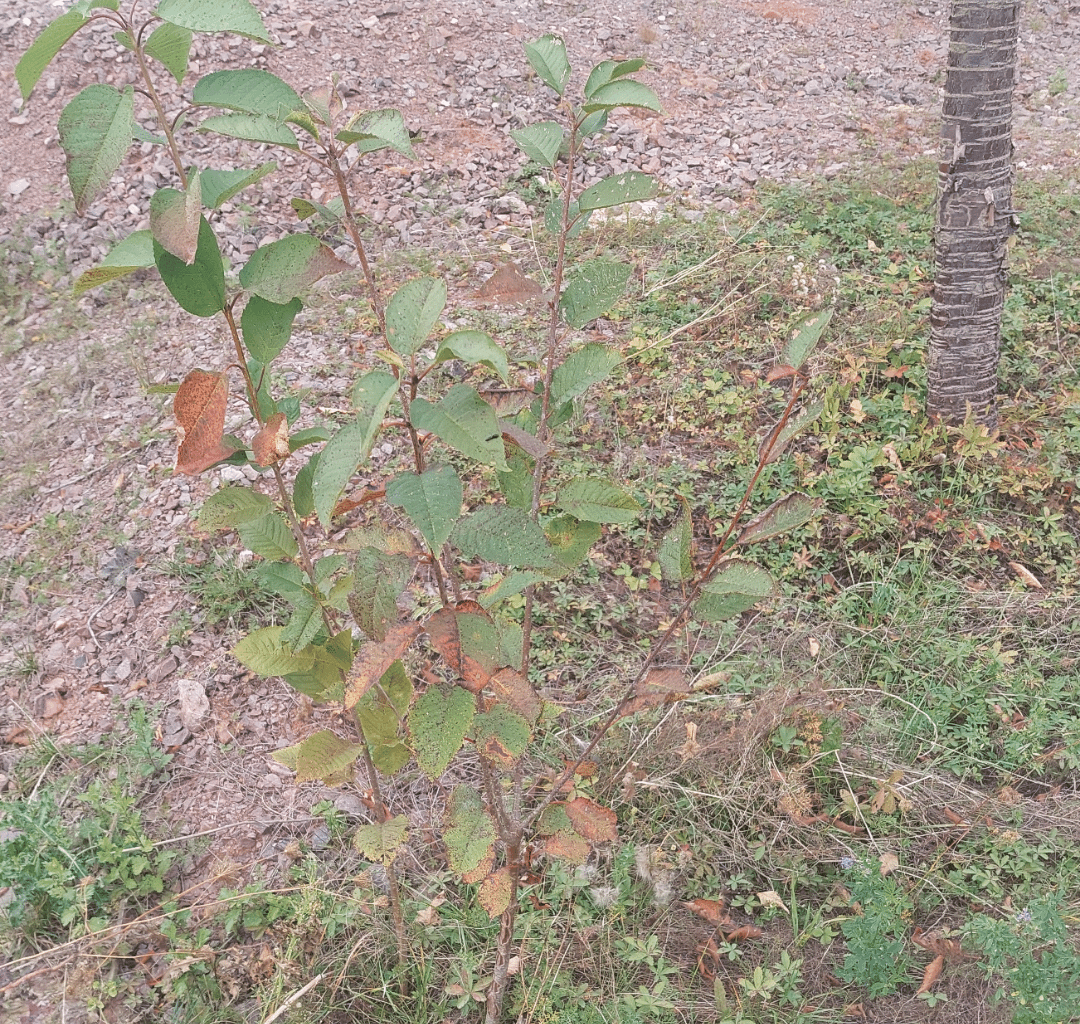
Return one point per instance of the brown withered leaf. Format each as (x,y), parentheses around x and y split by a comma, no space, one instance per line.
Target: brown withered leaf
(592,821)
(513,689)
(660,686)
(712,911)
(494,895)
(931,974)
(780,372)
(530,444)
(199,407)
(375,658)
(271,443)
(509,285)
(507,401)
(568,847)
(744,933)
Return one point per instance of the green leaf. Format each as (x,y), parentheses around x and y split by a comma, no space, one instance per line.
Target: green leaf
(371,397)
(378,129)
(593,289)
(547,56)
(328,215)
(412,312)
(380,843)
(266,326)
(174,219)
(571,539)
(475,348)
(303,495)
(593,124)
(337,463)
(511,584)
(437,725)
(736,586)
(268,536)
(239,16)
(200,287)
(583,368)
(628,187)
(324,755)
(170,45)
(250,91)
(287,268)
(541,142)
(782,516)
(516,483)
(596,501)
(231,506)
(95,132)
(136,252)
(304,625)
(553,217)
(220,186)
(465,422)
(469,833)
(506,536)
(501,735)
(677,548)
(251,128)
(286,579)
(47,45)
(623,92)
(607,71)
(324,680)
(803,337)
(795,425)
(265,654)
(432,500)
(378,580)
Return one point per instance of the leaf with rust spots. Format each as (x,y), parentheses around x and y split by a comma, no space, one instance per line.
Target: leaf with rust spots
(468,641)
(592,821)
(660,686)
(512,688)
(567,846)
(271,443)
(199,408)
(375,658)
(494,893)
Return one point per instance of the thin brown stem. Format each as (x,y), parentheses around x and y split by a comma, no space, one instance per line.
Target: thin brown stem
(163,121)
(397,910)
(694,592)
(543,430)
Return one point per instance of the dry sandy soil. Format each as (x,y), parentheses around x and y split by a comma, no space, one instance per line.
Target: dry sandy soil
(90,512)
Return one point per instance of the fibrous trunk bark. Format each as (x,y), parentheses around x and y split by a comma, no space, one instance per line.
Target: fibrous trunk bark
(974,211)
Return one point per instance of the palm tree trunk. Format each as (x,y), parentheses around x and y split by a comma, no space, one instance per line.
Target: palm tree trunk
(974,211)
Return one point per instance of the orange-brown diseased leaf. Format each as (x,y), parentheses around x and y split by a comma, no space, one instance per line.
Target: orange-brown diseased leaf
(660,686)
(779,373)
(375,658)
(494,893)
(568,847)
(271,443)
(931,974)
(591,821)
(199,408)
(746,932)
(482,870)
(468,641)
(513,689)
(712,911)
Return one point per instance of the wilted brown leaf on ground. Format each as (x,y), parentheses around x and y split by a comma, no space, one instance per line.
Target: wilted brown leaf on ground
(931,974)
